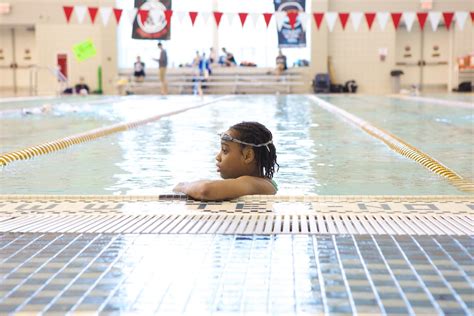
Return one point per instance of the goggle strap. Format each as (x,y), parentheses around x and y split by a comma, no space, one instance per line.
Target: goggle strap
(232,139)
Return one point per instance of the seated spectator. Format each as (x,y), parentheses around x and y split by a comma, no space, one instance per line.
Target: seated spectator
(139,70)
(229,58)
(212,56)
(280,63)
(81,88)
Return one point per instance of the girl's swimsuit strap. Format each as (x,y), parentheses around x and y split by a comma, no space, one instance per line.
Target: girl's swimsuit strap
(275,185)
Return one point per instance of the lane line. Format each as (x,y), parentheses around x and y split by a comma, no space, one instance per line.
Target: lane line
(69,141)
(450,103)
(399,146)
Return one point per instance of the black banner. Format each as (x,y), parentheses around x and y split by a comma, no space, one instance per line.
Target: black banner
(155,25)
(288,37)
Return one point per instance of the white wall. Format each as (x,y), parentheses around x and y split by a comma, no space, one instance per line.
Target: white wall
(54,35)
(354,54)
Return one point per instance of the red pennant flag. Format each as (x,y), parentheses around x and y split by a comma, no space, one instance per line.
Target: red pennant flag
(292,15)
(143,14)
(217,17)
(267,17)
(117,14)
(422,19)
(68,12)
(168,14)
(243,17)
(343,17)
(92,13)
(192,16)
(318,18)
(396,19)
(370,17)
(472,17)
(448,18)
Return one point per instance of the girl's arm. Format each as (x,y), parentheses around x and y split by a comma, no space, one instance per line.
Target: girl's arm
(225,189)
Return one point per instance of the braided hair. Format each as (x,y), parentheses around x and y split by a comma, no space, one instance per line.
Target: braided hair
(256,133)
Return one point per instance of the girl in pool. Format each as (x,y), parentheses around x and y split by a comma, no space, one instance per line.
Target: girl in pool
(246,163)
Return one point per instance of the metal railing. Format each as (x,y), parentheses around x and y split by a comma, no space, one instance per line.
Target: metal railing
(54,71)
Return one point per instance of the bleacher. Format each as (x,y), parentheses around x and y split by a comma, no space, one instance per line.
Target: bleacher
(224,80)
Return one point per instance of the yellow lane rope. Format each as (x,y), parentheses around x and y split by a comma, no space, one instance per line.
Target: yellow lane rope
(66,142)
(400,146)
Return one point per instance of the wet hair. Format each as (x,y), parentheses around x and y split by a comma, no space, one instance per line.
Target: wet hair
(256,133)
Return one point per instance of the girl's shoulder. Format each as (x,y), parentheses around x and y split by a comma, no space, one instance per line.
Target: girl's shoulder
(265,185)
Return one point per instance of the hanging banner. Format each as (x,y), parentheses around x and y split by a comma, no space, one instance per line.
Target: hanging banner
(291,35)
(156,24)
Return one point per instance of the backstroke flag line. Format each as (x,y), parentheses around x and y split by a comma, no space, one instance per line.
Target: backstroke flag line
(155,24)
(291,33)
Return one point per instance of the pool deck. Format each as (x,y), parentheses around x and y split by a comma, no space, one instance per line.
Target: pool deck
(288,255)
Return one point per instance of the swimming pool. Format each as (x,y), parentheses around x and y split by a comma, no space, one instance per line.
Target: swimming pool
(318,152)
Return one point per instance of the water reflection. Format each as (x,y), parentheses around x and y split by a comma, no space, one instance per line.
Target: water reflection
(317,152)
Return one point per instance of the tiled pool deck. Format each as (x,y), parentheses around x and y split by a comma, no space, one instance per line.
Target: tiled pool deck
(257,255)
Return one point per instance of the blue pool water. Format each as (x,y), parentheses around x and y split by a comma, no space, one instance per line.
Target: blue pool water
(318,152)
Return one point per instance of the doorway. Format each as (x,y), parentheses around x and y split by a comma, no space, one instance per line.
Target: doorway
(423,56)
(17,59)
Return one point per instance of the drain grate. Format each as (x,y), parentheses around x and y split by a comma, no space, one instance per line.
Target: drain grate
(247,224)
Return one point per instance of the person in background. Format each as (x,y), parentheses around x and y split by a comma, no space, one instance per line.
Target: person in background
(139,70)
(204,66)
(197,74)
(246,162)
(163,63)
(81,88)
(229,58)
(280,63)
(196,60)
(212,56)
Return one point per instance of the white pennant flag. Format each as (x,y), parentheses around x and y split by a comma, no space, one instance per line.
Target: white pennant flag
(280,17)
(132,13)
(80,13)
(460,17)
(356,17)
(382,18)
(409,18)
(303,18)
(205,16)
(105,13)
(331,18)
(180,16)
(230,17)
(434,18)
(254,18)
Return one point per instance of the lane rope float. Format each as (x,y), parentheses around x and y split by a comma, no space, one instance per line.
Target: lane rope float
(400,146)
(450,103)
(63,143)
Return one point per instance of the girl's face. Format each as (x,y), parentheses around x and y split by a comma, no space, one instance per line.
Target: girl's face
(231,160)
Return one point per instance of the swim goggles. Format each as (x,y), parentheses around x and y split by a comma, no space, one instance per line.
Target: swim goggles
(228,138)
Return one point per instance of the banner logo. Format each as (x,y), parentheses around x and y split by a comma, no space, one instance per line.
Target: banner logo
(155,25)
(288,36)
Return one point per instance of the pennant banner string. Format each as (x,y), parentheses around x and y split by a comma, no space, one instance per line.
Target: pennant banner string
(291,17)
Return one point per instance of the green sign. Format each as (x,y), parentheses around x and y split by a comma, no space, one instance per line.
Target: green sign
(84,50)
